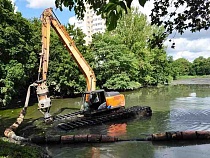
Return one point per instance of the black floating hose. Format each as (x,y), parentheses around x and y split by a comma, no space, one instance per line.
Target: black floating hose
(95,138)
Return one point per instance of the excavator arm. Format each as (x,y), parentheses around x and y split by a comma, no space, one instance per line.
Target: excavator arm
(49,20)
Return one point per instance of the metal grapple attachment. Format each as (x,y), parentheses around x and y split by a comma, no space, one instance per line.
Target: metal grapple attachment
(44,103)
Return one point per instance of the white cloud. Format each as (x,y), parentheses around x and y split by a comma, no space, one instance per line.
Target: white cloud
(188,45)
(72,20)
(190,56)
(13,2)
(189,49)
(146,9)
(36,4)
(192,36)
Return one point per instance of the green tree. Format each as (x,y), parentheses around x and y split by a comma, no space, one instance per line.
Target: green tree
(116,66)
(207,66)
(124,55)
(17,51)
(135,30)
(201,66)
(182,66)
(161,73)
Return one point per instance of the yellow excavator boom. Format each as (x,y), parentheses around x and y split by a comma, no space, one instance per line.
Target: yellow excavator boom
(49,20)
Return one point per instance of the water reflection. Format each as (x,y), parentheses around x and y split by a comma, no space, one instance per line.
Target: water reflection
(192,94)
(193,151)
(117,130)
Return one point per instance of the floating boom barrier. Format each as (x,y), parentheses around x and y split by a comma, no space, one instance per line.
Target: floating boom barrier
(95,138)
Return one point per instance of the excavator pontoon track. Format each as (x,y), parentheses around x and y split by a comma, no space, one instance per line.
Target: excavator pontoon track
(73,121)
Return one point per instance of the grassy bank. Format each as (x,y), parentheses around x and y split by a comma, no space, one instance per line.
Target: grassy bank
(190,77)
(13,150)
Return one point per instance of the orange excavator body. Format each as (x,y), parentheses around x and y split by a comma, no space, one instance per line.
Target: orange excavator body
(116,101)
(100,100)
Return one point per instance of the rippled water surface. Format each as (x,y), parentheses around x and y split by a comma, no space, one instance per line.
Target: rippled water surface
(174,108)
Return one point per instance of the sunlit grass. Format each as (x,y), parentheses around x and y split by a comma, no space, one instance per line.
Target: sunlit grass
(190,77)
(12,150)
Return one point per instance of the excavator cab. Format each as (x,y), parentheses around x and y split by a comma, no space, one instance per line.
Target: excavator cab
(99,100)
(93,100)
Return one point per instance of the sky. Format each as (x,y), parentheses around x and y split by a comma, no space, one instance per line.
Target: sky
(34,8)
(189,45)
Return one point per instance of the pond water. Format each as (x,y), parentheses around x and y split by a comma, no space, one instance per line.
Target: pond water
(174,108)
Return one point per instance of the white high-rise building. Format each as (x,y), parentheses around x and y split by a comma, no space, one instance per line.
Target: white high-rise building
(91,24)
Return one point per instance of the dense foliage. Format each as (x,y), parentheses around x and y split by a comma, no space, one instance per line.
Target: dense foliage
(18,52)
(195,14)
(182,66)
(200,66)
(116,65)
(125,60)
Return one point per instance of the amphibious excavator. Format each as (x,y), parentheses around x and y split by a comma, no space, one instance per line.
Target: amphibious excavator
(98,106)
(94,101)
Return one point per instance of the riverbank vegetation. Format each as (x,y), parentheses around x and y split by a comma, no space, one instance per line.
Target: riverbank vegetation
(11,150)
(185,69)
(192,77)
(122,59)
